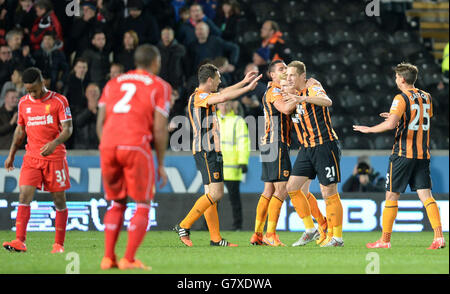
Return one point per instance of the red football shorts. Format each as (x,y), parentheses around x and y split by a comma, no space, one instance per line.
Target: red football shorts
(128,171)
(51,175)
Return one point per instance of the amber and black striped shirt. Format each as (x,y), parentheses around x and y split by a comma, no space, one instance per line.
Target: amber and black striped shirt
(204,123)
(412,138)
(312,122)
(277,125)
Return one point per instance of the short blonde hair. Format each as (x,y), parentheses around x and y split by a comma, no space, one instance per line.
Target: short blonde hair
(300,66)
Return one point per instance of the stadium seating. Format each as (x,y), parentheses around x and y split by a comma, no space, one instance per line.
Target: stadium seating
(353,56)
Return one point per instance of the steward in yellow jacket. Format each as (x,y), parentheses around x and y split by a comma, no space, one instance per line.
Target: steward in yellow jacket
(235,147)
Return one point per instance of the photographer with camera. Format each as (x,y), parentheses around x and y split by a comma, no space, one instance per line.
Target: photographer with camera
(364,178)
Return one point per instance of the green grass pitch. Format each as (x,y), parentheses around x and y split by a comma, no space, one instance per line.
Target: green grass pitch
(164,252)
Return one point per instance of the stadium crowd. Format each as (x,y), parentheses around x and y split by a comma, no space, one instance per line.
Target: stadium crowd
(78,55)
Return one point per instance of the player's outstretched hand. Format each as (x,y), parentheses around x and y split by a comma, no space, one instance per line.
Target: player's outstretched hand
(161,176)
(254,82)
(362,129)
(48,148)
(250,76)
(9,163)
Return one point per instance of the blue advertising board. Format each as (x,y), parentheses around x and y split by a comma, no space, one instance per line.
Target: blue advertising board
(85,174)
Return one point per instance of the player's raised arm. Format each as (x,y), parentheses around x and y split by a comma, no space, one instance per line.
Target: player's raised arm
(18,138)
(389,124)
(234,93)
(67,130)
(392,118)
(289,102)
(247,79)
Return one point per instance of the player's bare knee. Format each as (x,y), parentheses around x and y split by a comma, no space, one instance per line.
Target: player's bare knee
(290,186)
(328,190)
(392,196)
(25,199)
(424,194)
(305,189)
(59,199)
(280,191)
(268,190)
(216,196)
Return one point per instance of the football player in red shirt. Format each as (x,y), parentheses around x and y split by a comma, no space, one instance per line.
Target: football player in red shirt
(133,111)
(45,119)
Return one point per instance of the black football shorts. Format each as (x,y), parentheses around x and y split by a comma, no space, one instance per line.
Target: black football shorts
(276,163)
(210,165)
(321,160)
(404,171)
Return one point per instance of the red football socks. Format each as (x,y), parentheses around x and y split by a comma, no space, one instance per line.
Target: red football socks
(137,230)
(60,226)
(113,224)
(22,218)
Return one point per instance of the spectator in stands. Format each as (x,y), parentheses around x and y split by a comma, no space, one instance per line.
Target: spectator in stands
(164,13)
(177,6)
(172,59)
(209,8)
(85,121)
(144,24)
(83,28)
(6,64)
(186,32)
(115,70)
(20,54)
(5,20)
(111,11)
(15,84)
(261,58)
(184,14)
(251,99)
(46,21)
(52,61)
(125,55)
(227,20)
(208,46)
(75,85)
(8,119)
(272,39)
(98,59)
(226,70)
(74,89)
(364,178)
(25,15)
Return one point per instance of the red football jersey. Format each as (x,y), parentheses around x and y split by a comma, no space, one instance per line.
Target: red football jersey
(42,119)
(130,101)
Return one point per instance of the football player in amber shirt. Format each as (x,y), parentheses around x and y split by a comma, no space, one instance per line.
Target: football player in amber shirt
(206,148)
(44,118)
(409,163)
(133,111)
(320,153)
